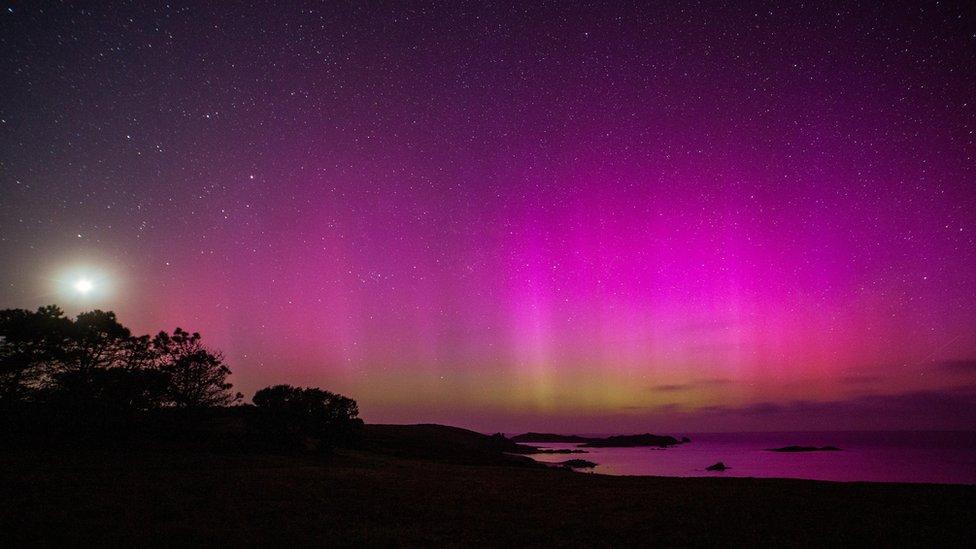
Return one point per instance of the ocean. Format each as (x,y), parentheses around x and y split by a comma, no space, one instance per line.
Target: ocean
(932,457)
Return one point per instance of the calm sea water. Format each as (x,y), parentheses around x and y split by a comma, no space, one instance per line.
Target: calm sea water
(866,456)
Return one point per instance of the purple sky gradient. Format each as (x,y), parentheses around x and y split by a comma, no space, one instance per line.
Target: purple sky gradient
(611,217)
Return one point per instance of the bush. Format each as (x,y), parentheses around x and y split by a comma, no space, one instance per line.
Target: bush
(309,418)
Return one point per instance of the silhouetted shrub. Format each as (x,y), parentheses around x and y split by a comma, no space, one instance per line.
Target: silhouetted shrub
(309,418)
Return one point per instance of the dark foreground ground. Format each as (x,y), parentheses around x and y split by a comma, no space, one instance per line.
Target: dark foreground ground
(398,489)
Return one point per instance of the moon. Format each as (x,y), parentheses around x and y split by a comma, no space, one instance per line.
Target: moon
(83,286)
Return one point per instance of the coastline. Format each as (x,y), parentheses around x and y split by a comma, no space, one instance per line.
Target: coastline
(939,458)
(396,490)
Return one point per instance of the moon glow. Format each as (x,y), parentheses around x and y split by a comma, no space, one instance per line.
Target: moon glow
(83,286)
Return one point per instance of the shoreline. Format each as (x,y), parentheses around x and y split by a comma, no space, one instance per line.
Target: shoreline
(914,458)
(364,497)
(433,485)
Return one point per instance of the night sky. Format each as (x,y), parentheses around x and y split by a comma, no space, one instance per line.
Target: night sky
(594,218)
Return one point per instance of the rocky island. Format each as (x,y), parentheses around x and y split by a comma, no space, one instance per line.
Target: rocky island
(627,441)
(578,464)
(549,437)
(617,441)
(804,449)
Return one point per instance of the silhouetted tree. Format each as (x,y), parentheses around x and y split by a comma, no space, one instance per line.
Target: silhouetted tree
(91,370)
(116,392)
(89,380)
(97,341)
(70,377)
(296,414)
(95,344)
(197,376)
(30,344)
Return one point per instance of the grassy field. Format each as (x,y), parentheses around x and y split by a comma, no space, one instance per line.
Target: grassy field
(395,490)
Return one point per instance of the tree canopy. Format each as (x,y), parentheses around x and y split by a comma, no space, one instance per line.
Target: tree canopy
(95,361)
(300,414)
(90,378)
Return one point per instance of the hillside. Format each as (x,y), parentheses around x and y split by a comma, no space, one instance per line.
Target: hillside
(445,444)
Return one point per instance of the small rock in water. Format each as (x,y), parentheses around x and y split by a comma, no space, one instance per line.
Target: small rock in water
(717,467)
(578,464)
